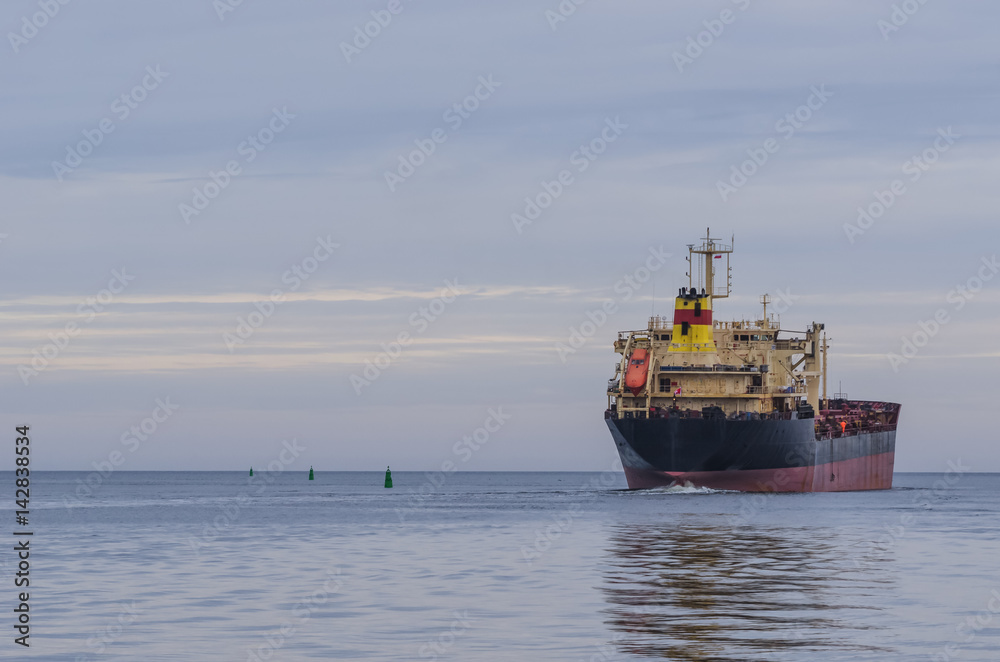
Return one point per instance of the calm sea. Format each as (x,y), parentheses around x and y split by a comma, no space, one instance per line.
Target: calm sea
(503,566)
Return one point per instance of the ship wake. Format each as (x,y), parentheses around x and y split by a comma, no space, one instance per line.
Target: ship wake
(688,488)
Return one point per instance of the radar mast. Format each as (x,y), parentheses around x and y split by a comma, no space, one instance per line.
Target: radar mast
(709,250)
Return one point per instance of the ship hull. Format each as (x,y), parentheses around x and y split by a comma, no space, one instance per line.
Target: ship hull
(751,455)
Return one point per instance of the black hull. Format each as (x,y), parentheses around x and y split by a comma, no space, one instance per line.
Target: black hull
(754,455)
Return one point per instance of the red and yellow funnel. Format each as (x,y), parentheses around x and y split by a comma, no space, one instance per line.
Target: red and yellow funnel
(693,332)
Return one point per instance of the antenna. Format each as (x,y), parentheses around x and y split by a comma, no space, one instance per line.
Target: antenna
(710,250)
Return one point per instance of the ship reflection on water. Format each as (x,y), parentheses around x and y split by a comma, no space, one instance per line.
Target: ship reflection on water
(694,593)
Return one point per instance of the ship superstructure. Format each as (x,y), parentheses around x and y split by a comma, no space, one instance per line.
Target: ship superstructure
(740,404)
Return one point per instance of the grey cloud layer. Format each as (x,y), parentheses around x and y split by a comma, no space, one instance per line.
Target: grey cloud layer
(323,175)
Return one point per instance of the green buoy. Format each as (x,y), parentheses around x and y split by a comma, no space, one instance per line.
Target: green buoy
(388,477)
(251,472)
(310,473)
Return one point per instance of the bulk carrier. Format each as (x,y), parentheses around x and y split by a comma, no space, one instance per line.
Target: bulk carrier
(738,405)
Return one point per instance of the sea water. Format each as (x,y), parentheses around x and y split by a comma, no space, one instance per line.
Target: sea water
(502,566)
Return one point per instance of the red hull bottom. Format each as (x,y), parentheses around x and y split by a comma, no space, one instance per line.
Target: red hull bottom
(872,472)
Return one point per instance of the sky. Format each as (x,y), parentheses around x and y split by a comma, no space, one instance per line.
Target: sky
(218,216)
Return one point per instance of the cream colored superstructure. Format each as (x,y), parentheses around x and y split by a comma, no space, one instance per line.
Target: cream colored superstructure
(755,367)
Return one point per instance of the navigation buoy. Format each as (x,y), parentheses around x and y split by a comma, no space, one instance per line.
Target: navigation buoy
(251,472)
(388,477)
(310,473)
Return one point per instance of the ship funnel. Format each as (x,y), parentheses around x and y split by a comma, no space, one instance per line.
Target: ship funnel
(693,337)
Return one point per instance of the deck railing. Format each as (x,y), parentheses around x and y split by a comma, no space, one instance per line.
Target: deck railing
(719,367)
(836,433)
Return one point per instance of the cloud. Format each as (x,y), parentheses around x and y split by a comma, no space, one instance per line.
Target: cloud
(324,176)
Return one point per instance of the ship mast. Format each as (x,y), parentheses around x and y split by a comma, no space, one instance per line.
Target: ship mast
(707,252)
(824,368)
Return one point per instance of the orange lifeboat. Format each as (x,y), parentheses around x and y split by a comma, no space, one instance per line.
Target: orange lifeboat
(638,367)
